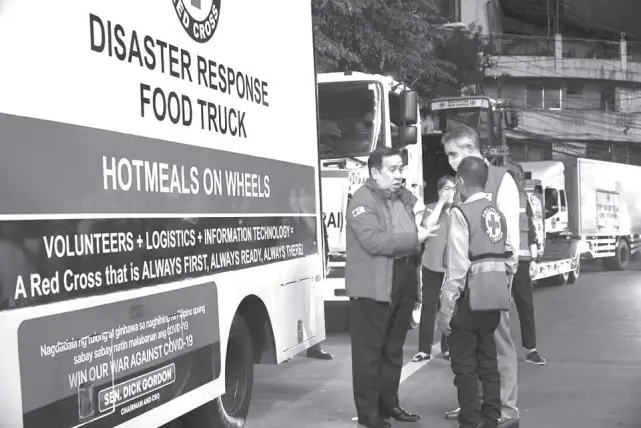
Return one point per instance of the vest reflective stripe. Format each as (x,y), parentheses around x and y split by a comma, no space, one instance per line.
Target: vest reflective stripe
(486,266)
(524,229)
(487,278)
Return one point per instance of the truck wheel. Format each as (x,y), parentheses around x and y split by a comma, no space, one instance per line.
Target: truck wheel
(574,275)
(623,255)
(562,279)
(230,410)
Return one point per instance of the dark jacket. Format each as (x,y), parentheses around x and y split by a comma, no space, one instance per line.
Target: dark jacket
(371,245)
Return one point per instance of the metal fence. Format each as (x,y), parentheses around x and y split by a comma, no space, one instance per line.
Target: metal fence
(590,49)
(508,44)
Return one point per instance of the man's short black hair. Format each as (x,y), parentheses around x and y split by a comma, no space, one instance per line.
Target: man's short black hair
(376,158)
(474,172)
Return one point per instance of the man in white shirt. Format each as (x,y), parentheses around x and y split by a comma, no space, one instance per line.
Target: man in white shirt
(460,143)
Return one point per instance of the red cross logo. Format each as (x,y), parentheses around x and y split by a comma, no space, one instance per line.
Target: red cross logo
(493,225)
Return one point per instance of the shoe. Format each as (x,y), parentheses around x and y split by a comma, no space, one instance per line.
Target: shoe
(319,354)
(452,415)
(508,423)
(446,355)
(535,357)
(400,414)
(421,356)
(373,420)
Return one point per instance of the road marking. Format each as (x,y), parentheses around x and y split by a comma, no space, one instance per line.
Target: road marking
(411,367)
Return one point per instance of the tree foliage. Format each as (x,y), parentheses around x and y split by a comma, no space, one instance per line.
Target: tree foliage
(402,38)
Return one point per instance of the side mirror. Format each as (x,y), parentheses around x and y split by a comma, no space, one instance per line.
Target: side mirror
(409,107)
(406,135)
(511,119)
(405,156)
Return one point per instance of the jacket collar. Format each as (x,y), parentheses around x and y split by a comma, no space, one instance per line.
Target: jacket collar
(385,194)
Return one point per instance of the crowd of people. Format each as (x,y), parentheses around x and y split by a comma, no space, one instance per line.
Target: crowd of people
(465,258)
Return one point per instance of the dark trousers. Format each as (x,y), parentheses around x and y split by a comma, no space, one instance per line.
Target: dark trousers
(524,300)
(474,359)
(378,332)
(431,291)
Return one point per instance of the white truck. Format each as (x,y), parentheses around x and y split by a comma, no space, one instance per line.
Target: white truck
(160,227)
(595,202)
(490,118)
(358,113)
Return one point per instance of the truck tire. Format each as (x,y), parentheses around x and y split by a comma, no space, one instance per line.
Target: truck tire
(562,279)
(621,257)
(230,410)
(574,275)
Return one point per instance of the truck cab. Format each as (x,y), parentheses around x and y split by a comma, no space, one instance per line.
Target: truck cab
(551,174)
(358,113)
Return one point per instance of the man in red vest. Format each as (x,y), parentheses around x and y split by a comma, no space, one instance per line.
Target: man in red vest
(460,143)
(475,291)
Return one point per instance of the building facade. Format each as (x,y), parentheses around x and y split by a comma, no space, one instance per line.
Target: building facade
(576,96)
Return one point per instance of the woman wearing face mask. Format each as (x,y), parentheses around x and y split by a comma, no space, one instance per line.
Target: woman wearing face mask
(432,267)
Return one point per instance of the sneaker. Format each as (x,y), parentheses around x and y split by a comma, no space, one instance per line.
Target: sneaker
(452,415)
(535,357)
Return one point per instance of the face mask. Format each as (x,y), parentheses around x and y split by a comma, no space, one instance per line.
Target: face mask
(454,163)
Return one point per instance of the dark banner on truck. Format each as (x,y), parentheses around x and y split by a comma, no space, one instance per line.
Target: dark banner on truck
(46,261)
(101,366)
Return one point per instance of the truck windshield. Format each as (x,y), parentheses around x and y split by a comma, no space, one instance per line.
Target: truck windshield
(477,118)
(350,118)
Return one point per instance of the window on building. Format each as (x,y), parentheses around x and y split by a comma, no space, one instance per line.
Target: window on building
(533,96)
(453,10)
(548,96)
(552,97)
(607,99)
(574,95)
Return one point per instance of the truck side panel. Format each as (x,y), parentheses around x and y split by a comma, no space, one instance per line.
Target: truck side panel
(609,195)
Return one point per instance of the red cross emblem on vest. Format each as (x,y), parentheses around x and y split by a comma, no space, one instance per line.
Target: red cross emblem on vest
(492,223)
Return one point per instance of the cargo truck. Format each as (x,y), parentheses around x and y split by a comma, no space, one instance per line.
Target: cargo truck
(160,228)
(596,202)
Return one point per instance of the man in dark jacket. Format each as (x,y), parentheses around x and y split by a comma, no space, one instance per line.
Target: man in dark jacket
(381,277)
(522,289)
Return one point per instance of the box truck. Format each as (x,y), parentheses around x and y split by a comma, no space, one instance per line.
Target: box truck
(596,202)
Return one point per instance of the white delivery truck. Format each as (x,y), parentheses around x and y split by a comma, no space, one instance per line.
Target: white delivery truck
(594,201)
(160,227)
(358,113)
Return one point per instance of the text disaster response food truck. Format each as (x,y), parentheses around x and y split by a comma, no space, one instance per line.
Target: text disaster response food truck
(160,229)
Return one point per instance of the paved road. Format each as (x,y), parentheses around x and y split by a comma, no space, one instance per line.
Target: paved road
(589,332)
